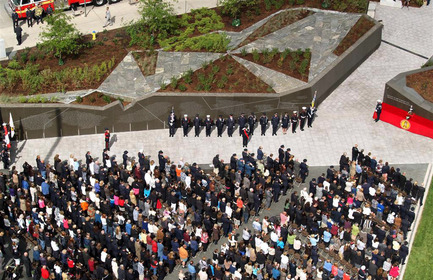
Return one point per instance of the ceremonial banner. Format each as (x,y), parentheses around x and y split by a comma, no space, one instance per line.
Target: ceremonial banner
(400,118)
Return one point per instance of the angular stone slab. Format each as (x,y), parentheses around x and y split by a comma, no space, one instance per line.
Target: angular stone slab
(171,64)
(126,80)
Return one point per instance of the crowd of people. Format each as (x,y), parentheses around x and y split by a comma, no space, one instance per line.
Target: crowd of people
(141,218)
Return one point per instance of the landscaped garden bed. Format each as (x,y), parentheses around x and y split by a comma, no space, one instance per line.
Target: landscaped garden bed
(277,22)
(422,82)
(97,99)
(292,63)
(357,31)
(146,60)
(222,75)
(34,70)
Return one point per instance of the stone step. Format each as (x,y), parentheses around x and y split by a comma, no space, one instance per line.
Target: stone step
(391,3)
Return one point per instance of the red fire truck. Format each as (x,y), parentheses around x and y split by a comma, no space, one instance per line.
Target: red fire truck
(20,6)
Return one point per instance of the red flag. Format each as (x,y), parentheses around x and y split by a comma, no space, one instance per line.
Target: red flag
(7,140)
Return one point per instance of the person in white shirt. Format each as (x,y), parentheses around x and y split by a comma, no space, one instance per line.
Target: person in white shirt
(297,244)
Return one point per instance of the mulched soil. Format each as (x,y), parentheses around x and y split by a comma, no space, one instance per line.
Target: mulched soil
(357,31)
(146,60)
(240,81)
(422,83)
(97,99)
(285,67)
(277,22)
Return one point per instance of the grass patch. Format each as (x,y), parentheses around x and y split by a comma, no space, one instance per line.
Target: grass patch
(419,266)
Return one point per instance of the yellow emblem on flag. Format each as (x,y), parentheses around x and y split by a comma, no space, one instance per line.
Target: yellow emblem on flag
(405,124)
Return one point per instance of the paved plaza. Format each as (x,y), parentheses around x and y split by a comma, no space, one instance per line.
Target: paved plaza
(343,119)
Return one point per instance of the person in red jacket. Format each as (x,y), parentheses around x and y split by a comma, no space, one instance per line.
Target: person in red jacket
(107,139)
(45,273)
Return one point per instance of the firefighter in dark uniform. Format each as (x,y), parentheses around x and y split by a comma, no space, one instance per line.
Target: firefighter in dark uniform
(275,121)
(19,33)
(220,125)
(264,123)
(197,123)
(185,125)
(15,19)
(242,121)
(285,121)
(208,123)
(5,157)
(252,119)
(29,17)
(245,136)
(303,116)
(230,125)
(107,139)
(171,124)
(378,110)
(294,121)
(311,113)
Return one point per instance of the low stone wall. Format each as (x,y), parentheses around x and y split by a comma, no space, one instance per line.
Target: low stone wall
(151,111)
(399,95)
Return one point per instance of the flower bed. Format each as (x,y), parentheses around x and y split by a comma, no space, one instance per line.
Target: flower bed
(292,63)
(223,75)
(422,82)
(357,31)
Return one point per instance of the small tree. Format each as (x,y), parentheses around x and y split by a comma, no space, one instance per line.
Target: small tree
(159,17)
(60,36)
(232,8)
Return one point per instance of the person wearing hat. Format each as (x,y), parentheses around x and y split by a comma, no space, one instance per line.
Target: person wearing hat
(185,125)
(264,123)
(171,124)
(252,119)
(242,121)
(208,124)
(230,125)
(275,121)
(311,113)
(378,110)
(245,136)
(220,125)
(107,139)
(294,121)
(303,117)
(197,123)
(285,121)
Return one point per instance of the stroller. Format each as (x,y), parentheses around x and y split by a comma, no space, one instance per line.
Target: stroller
(13,270)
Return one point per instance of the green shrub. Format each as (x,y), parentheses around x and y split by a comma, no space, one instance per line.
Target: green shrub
(256,55)
(182,87)
(220,84)
(213,42)
(106,98)
(78,99)
(187,77)
(244,52)
(162,85)
(13,64)
(32,57)
(92,99)
(173,82)
(303,67)
(268,5)
(229,70)
(292,65)
(215,69)
(22,99)
(300,2)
